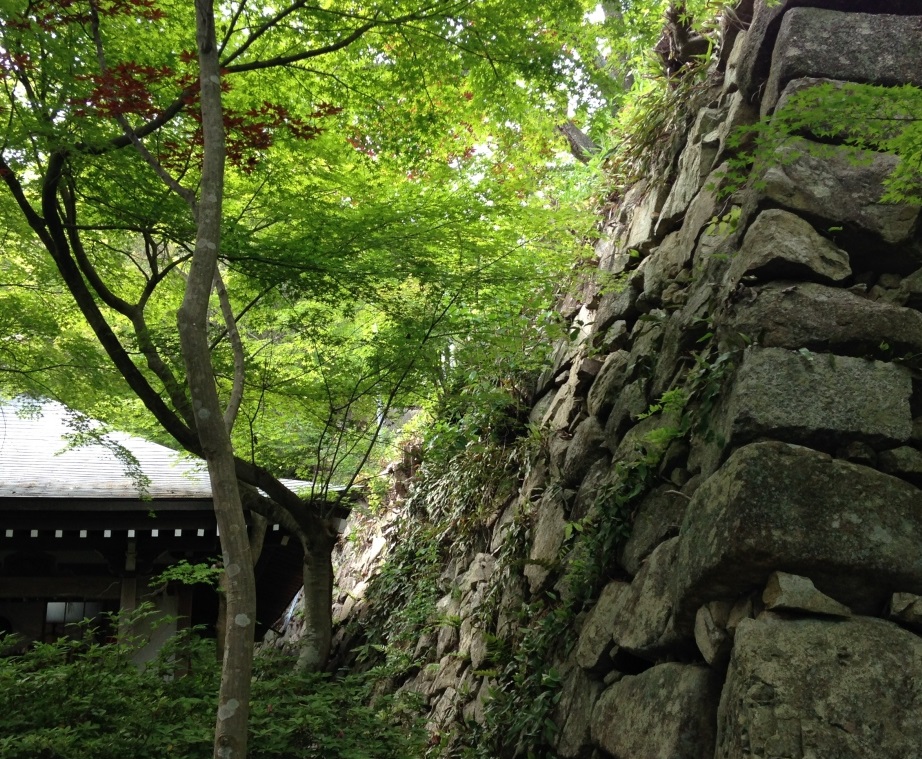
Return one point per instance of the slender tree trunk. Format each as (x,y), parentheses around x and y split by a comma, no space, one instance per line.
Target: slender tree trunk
(317,602)
(234,696)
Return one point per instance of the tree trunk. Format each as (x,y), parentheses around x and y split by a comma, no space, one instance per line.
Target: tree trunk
(234,696)
(317,602)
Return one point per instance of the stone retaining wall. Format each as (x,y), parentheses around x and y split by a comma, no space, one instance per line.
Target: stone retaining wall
(767,603)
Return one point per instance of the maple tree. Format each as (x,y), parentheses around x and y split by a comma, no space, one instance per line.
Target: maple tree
(382,204)
(359,210)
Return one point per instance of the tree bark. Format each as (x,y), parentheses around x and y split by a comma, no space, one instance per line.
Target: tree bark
(317,600)
(234,695)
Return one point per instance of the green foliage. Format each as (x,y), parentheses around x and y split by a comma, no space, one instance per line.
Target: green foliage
(77,699)
(190,574)
(393,206)
(842,116)
(658,109)
(454,496)
(519,715)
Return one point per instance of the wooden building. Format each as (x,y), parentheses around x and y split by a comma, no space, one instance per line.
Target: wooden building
(85,523)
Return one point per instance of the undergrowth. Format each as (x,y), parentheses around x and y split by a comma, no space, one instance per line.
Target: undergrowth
(78,699)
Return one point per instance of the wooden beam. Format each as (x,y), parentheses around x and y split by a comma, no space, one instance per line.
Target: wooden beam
(89,588)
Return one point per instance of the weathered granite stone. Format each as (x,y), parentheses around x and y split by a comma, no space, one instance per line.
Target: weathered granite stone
(701,210)
(565,406)
(443,711)
(747,607)
(504,523)
(773,506)
(787,592)
(666,263)
(646,337)
(548,537)
(905,462)
(805,688)
(472,642)
(906,608)
(618,305)
(604,391)
(587,369)
(733,28)
(657,517)
(449,609)
(595,638)
(858,452)
(574,713)
(781,245)
(649,200)
(539,410)
(820,318)
(711,636)
(631,402)
(640,440)
(584,450)
(612,339)
(557,447)
(666,712)
(475,710)
(759,43)
(821,43)
(831,186)
(591,489)
(739,112)
(510,605)
(613,258)
(557,370)
(695,164)
(480,570)
(818,399)
(643,625)
(450,670)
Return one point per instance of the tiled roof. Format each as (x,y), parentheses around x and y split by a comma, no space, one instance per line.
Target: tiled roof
(38,460)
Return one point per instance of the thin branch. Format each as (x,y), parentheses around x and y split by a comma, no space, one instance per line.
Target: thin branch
(165,176)
(106,295)
(231,26)
(230,325)
(285,60)
(267,26)
(221,335)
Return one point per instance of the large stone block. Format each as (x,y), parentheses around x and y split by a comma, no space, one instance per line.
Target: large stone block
(573,713)
(758,46)
(695,164)
(857,47)
(584,450)
(657,518)
(611,378)
(643,620)
(817,399)
(666,264)
(821,318)
(595,641)
(772,506)
(834,186)
(667,712)
(547,540)
(781,245)
(819,689)
(644,201)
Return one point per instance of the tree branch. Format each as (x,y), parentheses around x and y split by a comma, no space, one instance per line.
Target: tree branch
(230,324)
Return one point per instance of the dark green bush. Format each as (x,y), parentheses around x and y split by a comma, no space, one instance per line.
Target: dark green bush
(77,699)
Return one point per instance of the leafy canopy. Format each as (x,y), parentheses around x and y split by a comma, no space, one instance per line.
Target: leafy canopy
(389,198)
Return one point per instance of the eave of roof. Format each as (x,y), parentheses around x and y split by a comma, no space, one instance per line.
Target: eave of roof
(37,461)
